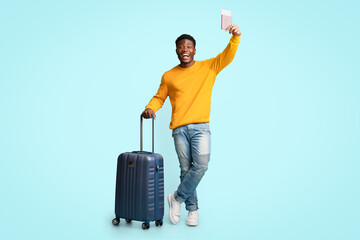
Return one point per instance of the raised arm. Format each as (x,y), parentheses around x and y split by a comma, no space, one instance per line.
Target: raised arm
(225,58)
(157,101)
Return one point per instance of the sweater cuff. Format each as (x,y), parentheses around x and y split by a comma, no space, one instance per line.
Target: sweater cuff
(149,106)
(235,39)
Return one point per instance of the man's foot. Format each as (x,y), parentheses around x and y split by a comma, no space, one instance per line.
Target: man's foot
(174,209)
(192,219)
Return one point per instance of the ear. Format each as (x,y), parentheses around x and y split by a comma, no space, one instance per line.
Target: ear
(194,51)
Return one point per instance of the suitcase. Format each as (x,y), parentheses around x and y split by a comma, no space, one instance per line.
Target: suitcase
(139,193)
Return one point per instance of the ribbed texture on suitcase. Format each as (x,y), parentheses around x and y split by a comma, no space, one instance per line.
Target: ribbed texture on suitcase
(135,187)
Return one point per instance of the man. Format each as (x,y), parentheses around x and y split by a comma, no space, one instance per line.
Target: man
(189,86)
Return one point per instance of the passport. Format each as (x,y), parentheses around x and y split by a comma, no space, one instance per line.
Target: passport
(226,19)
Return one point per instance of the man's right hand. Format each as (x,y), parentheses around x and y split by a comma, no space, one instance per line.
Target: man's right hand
(234,29)
(148,112)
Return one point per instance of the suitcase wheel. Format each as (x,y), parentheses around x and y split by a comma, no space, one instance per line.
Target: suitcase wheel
(158,223)
(116,221)
(145,226)
(128,220)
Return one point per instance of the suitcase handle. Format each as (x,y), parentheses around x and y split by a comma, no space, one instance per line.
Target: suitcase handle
(141,132)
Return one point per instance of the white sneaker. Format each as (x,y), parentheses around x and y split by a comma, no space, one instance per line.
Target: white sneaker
(174,209)
(192,219)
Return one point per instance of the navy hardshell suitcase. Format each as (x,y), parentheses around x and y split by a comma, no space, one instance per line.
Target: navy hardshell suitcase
(140,186)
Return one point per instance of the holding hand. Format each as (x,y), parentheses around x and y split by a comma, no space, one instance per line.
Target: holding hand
(234,29)
(148,112)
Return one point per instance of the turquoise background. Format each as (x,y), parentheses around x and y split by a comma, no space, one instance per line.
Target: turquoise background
(75,76)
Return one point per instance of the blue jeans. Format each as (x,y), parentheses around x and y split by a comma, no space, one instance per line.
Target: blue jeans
(193,146)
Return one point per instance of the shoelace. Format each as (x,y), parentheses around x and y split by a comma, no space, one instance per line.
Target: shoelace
(174,204)
(192,213)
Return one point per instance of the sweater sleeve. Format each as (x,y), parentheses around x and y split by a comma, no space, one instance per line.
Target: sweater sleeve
(225,58)
(158,100)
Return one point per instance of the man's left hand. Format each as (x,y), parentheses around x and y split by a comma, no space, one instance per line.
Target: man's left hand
(234,29)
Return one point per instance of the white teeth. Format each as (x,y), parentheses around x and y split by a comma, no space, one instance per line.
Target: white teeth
(185,55)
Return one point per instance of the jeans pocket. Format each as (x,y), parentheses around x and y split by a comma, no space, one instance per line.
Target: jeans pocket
(175,133)
(206,131)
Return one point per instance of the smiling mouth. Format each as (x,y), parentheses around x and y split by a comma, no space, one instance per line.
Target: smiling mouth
(185,56)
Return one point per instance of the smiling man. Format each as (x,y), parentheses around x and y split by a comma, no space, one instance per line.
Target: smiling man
(189,86)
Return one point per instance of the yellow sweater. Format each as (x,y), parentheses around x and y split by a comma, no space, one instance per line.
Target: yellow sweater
(189,89)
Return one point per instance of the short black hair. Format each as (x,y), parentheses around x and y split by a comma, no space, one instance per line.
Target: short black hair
(185,36)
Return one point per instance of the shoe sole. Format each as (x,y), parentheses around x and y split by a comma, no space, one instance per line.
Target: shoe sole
(191,225)
(170,212)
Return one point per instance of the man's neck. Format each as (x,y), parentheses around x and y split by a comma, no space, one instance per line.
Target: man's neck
(186,65)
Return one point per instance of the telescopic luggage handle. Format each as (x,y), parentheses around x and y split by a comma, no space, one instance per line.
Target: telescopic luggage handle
(141,132)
